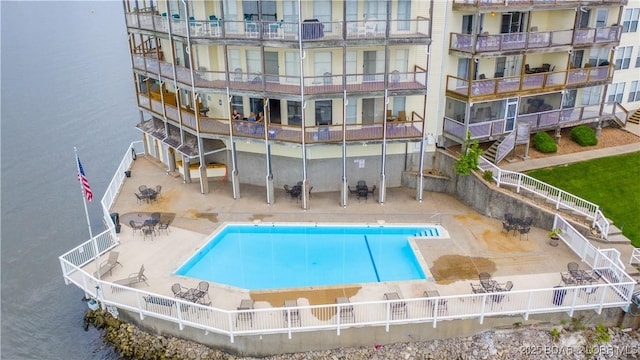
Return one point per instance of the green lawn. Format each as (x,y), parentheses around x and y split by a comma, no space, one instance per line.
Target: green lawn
(613,183)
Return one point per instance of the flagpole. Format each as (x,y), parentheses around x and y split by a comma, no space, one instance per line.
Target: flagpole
(82,191)
(86,212)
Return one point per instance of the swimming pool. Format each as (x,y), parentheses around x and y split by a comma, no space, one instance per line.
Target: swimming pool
(284,256)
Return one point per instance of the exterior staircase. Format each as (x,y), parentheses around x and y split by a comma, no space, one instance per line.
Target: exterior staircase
(491,153)
(634,117)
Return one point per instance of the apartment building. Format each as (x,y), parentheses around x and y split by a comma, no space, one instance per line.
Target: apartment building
(332,92)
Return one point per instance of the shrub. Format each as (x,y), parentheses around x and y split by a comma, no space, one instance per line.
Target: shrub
(488,175)
(584,136)
(544,143)
(469,159)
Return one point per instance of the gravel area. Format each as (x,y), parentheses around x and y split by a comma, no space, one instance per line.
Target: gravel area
(609,137)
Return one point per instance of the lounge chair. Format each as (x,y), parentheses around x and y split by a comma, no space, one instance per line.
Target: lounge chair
(346,311)
(398,308)
(291,315)
(108,265)
(133,278)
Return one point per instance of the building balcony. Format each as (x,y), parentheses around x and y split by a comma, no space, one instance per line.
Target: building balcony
(484,89)
(310,30)
(239,80)
(373,130)
(520,5)
(492,129)
(473,44)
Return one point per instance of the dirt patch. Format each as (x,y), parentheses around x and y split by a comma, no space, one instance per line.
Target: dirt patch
(260,217)
(194,214)
(314,296)
(609,137)
(451,268)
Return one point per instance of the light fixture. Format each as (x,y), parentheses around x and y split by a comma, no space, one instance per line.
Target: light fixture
(493,13)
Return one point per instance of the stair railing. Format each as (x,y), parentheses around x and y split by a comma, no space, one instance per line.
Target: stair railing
(559,198)
(505,147)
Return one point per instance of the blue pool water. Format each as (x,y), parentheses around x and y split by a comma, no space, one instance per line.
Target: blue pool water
(271,257)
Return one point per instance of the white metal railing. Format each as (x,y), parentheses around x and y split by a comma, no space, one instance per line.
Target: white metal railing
(505,147)
(91,249)
(560,198)
(616,291)
(635,257)
(371,313)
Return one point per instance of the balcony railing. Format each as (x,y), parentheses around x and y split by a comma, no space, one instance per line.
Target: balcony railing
(538,121)
(534,40)
(283,84)
(280,30)
(553,80)
(409,129)
(556,4)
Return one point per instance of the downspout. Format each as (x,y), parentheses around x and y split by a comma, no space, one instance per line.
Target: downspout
(344,195)
(305,181)
(204,183)
(269,178)
(420,179)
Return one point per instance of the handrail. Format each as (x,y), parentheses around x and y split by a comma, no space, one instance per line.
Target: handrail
(559,197)
(507,144)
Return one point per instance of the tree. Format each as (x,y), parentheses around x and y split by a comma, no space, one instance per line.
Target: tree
(469,158)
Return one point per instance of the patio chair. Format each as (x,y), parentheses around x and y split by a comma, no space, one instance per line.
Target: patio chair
(158,190)
(135,226)
(133,278)
(141,198)
(108,265)
(201,292)
(180,292)
(508,227)
(164,226)
(524,230)
(477,288)
(567,279)
(142,189)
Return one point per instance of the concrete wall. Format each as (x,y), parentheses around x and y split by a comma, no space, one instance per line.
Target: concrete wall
(323,174)
(271,344)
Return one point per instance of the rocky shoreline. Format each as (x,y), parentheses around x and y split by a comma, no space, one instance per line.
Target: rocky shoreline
(568,341)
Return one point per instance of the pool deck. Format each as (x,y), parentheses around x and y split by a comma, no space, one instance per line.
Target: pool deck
(476,244)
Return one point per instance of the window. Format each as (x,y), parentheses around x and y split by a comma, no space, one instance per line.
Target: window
(352,110)
(598,56)
(322,12)
(615,92)
(254,63)
(399,104)
(591,95)
(623,57)
(292,67)
(634,91)
(601,17)
(324,114)
(404,14)
(638,60)
(630,20)
(321,64)
(351,69)
(294,112)
(236,104)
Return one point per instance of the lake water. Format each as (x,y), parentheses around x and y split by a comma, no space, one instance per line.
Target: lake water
(66,82)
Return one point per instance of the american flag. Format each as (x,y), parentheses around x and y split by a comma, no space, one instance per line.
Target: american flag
(83,179)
